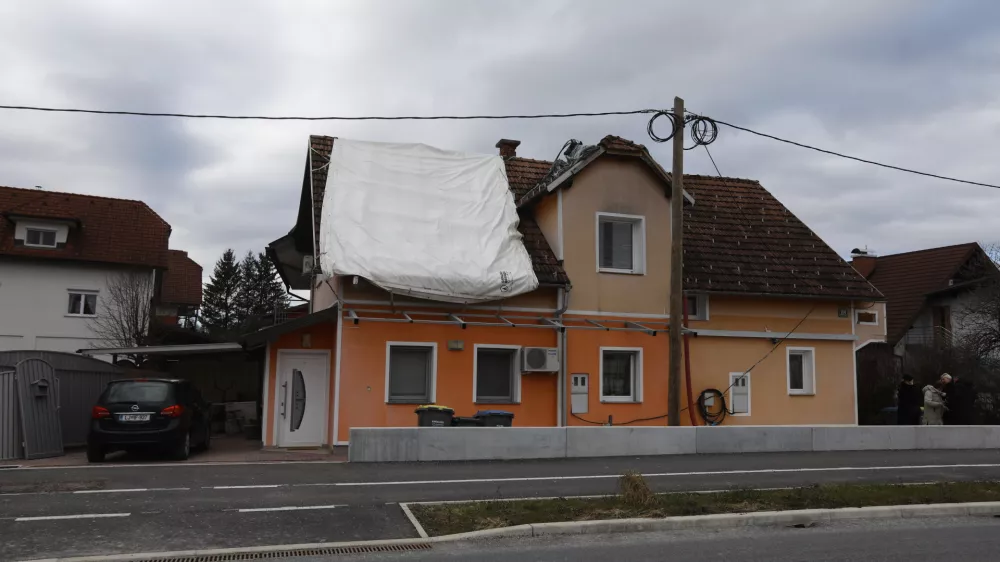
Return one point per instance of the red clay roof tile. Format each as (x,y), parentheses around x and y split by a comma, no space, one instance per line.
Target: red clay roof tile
(182,280)
(906,279)
(109,230)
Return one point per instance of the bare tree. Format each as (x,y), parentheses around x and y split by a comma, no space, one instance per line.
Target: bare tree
(125,310)
(980,318)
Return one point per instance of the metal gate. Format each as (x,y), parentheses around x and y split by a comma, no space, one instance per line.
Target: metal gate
(10,425)
(38,405)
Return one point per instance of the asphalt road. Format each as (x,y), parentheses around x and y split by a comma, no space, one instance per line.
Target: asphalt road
(124,509)
(911,540)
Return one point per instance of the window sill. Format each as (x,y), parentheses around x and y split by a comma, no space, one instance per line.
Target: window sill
(619,271)
(80,315)
(867,323)
(746,415)
(620,401)
(800,393)
(411,402)
(40,247)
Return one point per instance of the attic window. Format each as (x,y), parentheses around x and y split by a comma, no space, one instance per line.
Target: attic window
(866,318)
(620,243)
(40,238)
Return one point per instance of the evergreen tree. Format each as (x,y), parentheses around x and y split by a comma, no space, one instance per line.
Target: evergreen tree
(218,310)
(272,293)
(248,292)
(260,293)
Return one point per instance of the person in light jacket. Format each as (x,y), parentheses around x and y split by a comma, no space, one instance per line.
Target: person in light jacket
(934,404)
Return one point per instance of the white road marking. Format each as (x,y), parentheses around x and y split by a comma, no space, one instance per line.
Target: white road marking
(288,508)
(125,490)
(655,475)
(77,516)
(244,487)
(111,491)
(413,520)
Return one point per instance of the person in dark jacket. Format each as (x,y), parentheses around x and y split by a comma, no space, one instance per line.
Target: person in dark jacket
(909,400)
(961,401)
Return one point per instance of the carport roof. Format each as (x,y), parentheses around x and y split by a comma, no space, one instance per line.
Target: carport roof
(187,349)
(265,335)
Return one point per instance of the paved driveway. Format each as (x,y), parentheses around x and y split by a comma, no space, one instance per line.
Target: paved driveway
(224,449)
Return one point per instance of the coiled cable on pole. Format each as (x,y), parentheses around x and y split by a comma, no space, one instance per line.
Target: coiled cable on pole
(704,130)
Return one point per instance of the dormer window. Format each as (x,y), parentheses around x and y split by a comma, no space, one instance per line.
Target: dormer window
(40,238)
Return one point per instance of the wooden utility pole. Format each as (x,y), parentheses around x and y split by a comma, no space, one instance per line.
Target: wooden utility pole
(676,267)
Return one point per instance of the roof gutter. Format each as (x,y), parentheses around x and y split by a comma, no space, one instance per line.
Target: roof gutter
(872,298)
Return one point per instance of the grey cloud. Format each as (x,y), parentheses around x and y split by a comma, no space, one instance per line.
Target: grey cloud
(865,78)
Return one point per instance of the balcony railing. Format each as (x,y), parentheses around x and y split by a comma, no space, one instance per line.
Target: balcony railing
(929,336)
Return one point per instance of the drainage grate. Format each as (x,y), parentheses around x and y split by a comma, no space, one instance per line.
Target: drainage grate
(360,549)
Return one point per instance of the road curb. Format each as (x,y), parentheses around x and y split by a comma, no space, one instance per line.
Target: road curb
(718,521)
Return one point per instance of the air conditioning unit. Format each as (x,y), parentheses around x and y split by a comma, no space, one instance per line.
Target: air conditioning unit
(307,265)
(539,360)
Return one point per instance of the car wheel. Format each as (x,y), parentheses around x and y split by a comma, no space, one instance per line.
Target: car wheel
(95,453)
(183,450)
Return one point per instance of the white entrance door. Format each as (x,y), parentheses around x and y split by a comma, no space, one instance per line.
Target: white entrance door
(302,400)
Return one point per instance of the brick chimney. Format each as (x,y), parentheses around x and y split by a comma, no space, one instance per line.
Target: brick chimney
(864,261)
(508,148)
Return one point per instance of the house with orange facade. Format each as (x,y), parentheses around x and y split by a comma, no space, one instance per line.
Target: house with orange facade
(771,312)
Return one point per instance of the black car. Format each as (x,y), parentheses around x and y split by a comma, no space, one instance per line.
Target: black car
(134,414)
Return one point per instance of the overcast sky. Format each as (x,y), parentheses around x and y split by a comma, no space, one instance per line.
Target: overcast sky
(913,83)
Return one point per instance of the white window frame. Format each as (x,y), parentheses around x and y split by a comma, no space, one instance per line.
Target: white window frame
(808,379)
(860,323)
(638,242)
(702,304)
(732,385)
(515,372)
(55,237)
(433,374)
(636,397)
(83,293)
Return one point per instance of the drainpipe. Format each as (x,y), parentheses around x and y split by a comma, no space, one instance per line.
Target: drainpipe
(563,300)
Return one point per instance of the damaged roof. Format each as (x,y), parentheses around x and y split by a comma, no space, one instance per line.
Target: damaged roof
(739,238)
(547,268)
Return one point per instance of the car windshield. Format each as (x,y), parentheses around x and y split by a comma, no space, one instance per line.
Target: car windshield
(135,391)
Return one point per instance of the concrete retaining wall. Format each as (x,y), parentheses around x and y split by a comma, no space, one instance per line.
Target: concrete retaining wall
(409,444)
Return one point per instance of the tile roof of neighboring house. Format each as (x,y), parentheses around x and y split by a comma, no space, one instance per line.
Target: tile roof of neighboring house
(108,230)
(521,174)
(182,280)
(906,279)
(738,238)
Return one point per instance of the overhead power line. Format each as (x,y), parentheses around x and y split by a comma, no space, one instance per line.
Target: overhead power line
(329,117)
(705,121)
(855,158)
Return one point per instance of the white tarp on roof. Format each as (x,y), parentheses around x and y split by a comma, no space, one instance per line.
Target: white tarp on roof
(422,221)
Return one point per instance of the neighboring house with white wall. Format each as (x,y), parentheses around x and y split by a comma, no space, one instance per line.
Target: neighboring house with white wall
(60,251)
(927,291)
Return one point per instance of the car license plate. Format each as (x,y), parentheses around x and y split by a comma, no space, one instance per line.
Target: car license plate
(133,417)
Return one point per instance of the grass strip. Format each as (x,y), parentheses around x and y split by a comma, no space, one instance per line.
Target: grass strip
(635,500)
